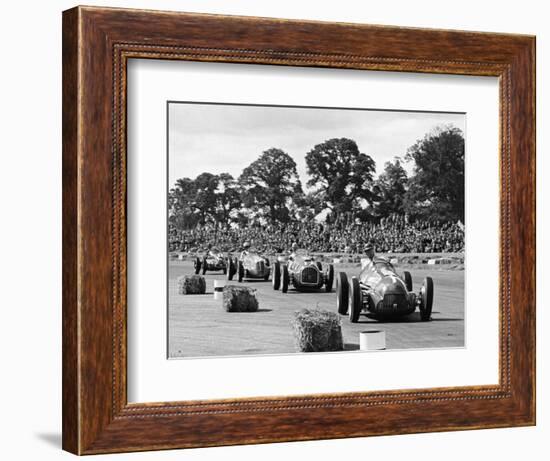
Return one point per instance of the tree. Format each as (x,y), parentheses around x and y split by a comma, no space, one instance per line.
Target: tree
(205,197)
(341,173)
(390,188)
(228,198)
(436,190)
(308,206)
(270,184)
(181,212)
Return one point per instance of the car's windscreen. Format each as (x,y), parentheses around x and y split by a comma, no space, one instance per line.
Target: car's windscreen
(385,270)
(384,267)
(374,271)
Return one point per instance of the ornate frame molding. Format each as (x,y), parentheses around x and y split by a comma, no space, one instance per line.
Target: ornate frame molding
(97,44)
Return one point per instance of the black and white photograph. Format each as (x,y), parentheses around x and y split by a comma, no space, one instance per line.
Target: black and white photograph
(294,229)
(271,230)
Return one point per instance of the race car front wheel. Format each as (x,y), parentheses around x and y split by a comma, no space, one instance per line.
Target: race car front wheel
(276,275)
(240,270)
(408,280)
(204,264)
(285,278)
(230,269)
(342,293)
(426,299)
(197,265)
(354,300)
(330,278)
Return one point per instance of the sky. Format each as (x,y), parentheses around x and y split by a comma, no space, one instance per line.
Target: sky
(218,138)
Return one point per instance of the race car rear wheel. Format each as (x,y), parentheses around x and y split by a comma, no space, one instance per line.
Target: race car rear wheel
(230,269)
(354,300)
(408,280)
(342,293)
(276,275)
(330,278)
(285,278)
(240,270)
(197,265)
(204,264)
(267,269)
(426,299)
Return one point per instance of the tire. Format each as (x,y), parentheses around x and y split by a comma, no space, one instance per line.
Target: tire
(276,275)
(408,281)
(240,271)
(285,278)
(426,299)
(342,293)
(204,265)
(319,265)
(197,265)
(330,278)
(354,300)
(230,269)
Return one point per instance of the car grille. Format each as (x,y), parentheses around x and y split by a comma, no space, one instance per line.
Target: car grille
(260,266)
(393,302)
(310,275)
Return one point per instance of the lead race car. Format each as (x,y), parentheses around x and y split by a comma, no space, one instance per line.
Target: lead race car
(213,260)
(302,271)
(249,265)
(380,291)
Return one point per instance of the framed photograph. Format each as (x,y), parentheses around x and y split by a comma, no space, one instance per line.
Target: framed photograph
(282,230)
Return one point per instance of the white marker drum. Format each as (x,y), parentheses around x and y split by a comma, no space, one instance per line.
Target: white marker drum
(372,340)
(218,289)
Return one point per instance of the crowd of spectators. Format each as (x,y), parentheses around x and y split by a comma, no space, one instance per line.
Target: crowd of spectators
(394,234)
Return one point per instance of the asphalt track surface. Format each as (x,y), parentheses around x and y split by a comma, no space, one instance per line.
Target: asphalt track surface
(199,327)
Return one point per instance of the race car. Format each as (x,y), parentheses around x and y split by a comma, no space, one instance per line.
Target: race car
(249,265)
(303,272)
(213,260)
(380,291)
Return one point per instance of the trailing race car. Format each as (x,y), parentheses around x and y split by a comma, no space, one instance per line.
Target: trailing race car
(249,265)
(211,261)
(303,272)
(379,290)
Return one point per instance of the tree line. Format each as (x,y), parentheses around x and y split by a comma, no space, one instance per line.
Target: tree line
(341,181)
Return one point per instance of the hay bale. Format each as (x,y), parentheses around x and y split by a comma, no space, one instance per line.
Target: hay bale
(191,285)
(239,299)
(317,330)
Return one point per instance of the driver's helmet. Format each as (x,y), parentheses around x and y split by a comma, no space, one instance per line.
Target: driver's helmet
(294,247)
(246,245)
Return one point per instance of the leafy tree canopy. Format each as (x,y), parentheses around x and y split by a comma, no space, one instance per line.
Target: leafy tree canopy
(342,173)
(207,198)
(390,188)
(436,190)
(270,184)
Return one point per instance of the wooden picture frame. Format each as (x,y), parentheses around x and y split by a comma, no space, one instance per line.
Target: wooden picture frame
(97,43)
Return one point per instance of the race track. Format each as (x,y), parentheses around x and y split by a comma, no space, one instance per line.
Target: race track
(198,326)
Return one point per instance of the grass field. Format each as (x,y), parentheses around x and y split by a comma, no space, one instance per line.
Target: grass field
(199,327)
